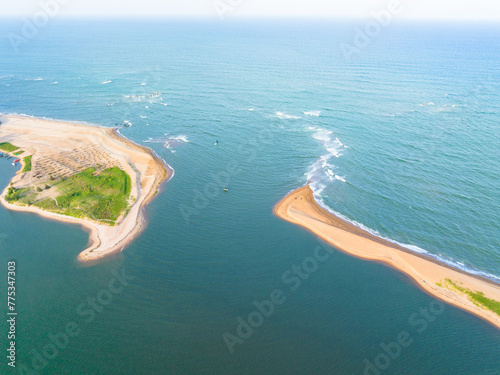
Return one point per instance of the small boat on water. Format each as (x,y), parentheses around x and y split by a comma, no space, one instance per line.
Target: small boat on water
(16,161)
(226,190)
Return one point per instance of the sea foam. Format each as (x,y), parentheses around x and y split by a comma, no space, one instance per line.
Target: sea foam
(313,113)
(321,172)
(282,116)
(318,188)
(169,142)
(146,98)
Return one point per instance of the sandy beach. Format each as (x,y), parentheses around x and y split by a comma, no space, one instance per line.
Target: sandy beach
(67,147)
(299,207)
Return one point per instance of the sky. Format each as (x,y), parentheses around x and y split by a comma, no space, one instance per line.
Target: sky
(411,9)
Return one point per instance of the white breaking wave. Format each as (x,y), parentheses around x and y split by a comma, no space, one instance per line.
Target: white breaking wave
(322,168)
(321,172)
(173,142)
(143,116)
(282,115)
(148,98)
(34,79)
(169,142)
(105,82)
(180,138)
(313,113)
(455,264)
(447,108)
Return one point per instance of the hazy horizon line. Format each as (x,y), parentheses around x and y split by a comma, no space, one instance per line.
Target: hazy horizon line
(235,17)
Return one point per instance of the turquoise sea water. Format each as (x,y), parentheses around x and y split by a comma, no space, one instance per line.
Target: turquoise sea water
(286,107)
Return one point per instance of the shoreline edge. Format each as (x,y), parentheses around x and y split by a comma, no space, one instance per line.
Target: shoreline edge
(103,240)
(299,207)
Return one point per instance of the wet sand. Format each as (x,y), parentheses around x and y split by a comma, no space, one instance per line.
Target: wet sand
(299,207)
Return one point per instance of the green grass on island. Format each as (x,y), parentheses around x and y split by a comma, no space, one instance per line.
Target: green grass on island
(7,147)
(19,153)
(101,196)
(27,164)
(477,298)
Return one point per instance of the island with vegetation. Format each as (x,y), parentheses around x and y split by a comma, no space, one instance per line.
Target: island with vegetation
(83,174)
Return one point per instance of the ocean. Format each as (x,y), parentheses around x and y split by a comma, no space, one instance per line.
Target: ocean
(400,137)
